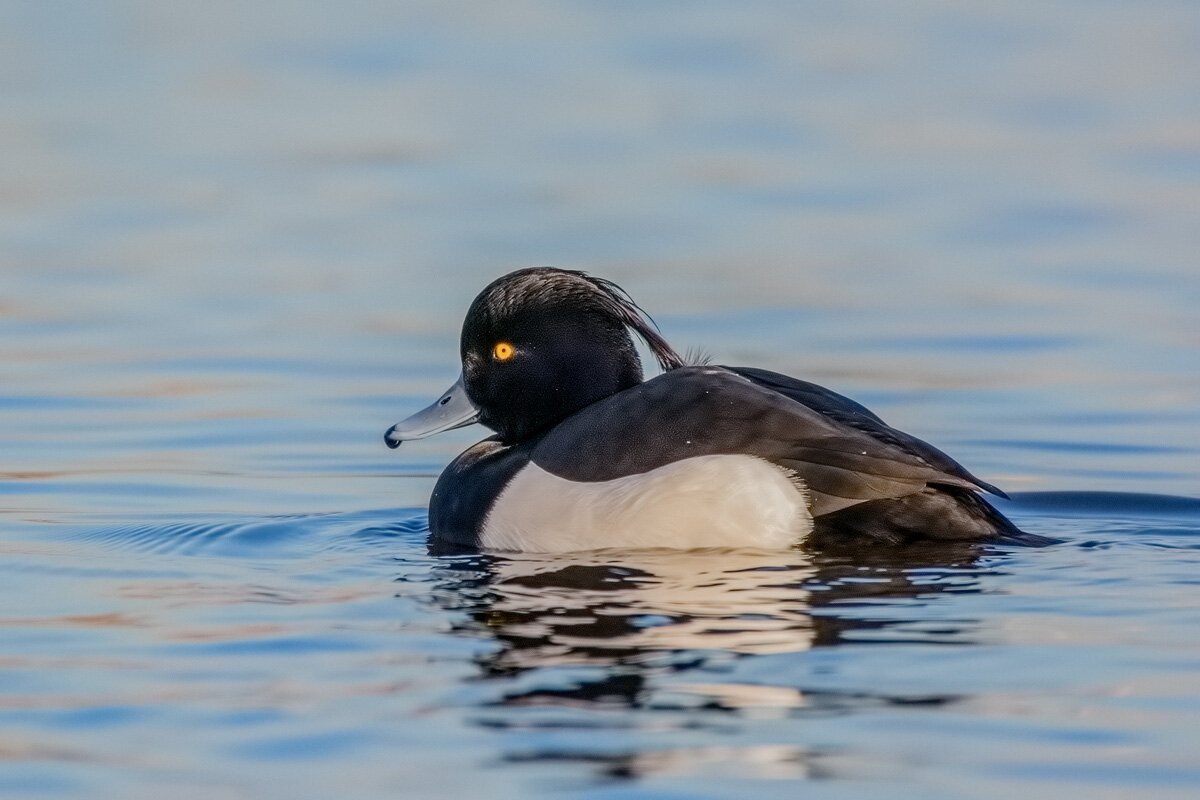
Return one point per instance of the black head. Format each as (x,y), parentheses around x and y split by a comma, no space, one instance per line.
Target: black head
(539,344)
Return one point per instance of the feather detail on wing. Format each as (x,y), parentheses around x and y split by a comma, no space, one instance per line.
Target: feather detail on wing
(844,454)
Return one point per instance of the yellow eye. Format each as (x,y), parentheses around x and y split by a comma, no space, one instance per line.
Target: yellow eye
(503,351)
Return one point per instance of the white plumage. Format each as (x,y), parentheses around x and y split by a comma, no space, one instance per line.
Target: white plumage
(704,501)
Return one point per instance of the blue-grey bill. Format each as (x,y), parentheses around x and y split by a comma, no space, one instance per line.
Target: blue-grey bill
(452,410)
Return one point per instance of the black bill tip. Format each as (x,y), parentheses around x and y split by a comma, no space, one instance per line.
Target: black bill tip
(389,441)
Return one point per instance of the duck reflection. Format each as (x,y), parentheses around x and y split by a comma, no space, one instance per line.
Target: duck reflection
(603,609)
(679,609)
(664,635)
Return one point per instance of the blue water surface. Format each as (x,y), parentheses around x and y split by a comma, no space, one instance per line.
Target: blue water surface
(237,243)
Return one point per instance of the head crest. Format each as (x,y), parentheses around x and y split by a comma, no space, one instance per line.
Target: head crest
(618,302)
(542,287)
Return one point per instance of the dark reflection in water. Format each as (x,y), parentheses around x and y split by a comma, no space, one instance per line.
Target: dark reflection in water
(656,634)
(650,611)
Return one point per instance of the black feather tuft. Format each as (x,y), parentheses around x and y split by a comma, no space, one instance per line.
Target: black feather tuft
(621,305)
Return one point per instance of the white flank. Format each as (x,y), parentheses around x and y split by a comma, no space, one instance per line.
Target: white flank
(706,501)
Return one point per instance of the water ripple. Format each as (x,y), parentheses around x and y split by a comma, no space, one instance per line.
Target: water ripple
(270,536)
(1111,504)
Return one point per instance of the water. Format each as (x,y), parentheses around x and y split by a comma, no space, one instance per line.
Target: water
(237,244)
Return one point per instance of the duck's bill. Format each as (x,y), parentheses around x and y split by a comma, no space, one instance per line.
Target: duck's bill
(452,410)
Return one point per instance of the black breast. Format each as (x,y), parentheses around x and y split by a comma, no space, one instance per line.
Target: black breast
(466,489)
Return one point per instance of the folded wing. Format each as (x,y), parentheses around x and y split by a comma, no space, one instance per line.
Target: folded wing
(843,453)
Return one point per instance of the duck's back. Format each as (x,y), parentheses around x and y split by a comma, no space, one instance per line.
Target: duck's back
(844,454)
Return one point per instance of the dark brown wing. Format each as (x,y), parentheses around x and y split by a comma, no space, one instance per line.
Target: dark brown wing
(845,411)
(844,454)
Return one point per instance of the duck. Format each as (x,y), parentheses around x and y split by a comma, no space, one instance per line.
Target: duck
(588,454)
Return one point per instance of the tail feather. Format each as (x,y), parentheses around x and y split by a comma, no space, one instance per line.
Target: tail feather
(937,513)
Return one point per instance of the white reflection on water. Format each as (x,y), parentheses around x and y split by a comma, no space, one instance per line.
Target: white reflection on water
(577,605)
(645,608)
